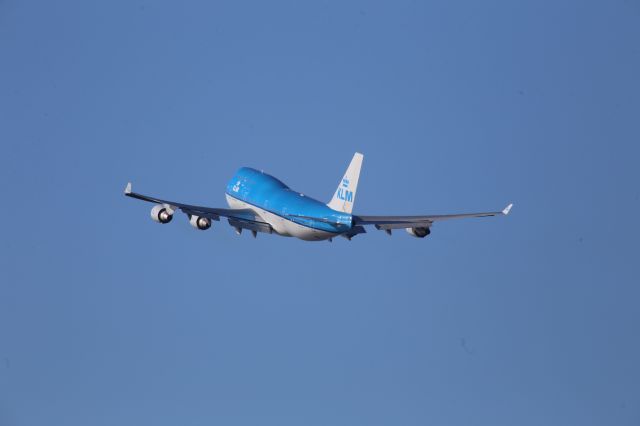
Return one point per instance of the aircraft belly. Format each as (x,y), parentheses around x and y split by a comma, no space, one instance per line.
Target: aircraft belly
(280,225)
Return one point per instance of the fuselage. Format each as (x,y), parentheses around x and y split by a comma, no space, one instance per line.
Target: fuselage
(290,213)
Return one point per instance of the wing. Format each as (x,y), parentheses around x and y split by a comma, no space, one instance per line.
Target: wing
(238,218)
(396,222)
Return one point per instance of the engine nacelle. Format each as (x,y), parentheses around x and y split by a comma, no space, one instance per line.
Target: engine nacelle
(420,232)
(160,214)
(201,223)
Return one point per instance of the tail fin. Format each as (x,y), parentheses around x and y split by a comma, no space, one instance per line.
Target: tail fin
(345,195)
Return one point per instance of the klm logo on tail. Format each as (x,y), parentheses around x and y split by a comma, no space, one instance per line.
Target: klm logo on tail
(344,194)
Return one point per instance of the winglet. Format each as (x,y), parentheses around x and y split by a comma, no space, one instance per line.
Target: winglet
(127,190)
(507,209)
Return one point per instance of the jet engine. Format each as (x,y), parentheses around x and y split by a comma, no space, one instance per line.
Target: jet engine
(420,232)
(160,214)
(201,223)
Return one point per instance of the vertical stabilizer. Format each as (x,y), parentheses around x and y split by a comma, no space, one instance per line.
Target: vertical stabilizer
(345,195)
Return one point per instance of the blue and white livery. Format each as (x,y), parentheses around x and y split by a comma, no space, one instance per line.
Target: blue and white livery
(259,202)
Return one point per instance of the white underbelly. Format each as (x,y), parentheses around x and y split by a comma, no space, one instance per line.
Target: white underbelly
(280,225)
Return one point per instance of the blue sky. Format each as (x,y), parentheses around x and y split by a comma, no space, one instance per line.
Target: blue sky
(108,318)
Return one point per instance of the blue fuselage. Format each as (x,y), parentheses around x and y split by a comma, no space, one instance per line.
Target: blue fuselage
(269,196)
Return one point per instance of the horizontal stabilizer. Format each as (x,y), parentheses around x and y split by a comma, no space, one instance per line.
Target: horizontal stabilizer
(318,219)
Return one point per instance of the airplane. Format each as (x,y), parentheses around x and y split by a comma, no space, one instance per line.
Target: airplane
(259,202)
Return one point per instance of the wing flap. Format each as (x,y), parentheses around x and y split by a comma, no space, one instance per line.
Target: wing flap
(251,225)
(402,225)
